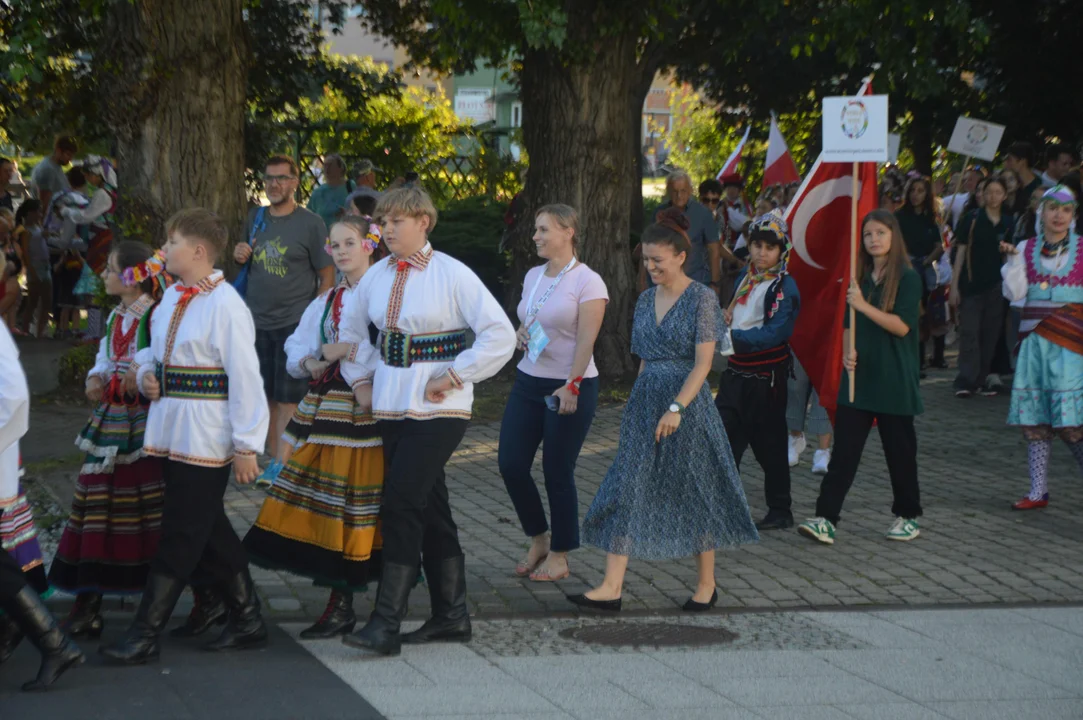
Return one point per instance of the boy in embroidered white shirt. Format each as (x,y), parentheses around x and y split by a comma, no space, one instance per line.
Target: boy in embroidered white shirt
(208,412)
(419,383)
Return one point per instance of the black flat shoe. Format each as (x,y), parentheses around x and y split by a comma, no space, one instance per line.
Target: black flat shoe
(604,605)
(775,521)
(693,606)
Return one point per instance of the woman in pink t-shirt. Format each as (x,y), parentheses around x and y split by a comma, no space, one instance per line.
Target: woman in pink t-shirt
(555,392)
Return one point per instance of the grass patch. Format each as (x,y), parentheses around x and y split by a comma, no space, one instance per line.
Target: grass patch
(65,462)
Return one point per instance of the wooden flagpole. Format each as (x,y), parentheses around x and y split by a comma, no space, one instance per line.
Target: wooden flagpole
(853,271)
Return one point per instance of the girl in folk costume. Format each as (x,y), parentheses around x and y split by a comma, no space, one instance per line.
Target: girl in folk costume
(112,531)
(18,536)
(98,217)
(321,519)
(1047,392)
(23,611)
(419,383)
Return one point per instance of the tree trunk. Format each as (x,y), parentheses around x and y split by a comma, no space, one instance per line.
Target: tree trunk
(576,131)
(921,138)
(177,72)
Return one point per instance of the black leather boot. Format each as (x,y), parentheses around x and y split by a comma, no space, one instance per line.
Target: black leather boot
(85,617)
(208,610)
(245,628)
(381,633)
(337,619)
(140,643)
(58,652)
(450,621)
(10,637)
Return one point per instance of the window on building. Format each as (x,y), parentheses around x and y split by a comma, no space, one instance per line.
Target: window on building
(516,114)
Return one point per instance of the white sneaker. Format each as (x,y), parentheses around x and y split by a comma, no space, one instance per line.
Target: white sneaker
(797,446)
(820,461)
(903,530)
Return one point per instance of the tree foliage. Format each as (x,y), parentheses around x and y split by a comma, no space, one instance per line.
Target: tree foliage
(59,55)
(398,131)
(703,136)
(936,59)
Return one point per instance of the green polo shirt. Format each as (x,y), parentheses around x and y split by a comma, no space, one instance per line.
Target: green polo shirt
(887,366)
(981,269)
(920,232)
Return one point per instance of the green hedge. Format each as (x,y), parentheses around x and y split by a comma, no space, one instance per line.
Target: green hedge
(75,364)
(469,230)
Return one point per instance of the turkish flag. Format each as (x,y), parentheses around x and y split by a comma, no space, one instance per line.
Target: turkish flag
(819,222)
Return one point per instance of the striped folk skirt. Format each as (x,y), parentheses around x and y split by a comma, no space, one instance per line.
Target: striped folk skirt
(19,538)
(321,517)
(114,525)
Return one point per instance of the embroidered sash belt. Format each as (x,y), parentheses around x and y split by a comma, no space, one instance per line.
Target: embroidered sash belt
(764,363)
(193,383)
(401,350)
(1064,327)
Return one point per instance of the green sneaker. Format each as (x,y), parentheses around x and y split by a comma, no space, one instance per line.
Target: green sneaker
(819,529)
(903,530)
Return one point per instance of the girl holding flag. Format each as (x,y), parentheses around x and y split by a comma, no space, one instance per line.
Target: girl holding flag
(887,298)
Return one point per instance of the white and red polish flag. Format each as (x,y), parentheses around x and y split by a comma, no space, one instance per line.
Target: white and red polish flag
(819,222)
(780,167)
(734,162)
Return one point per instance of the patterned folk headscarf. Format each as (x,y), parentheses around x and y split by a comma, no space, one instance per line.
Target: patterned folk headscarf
(774,224)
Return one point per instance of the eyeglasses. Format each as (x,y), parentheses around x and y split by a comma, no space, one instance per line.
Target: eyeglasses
(278,179)
(710,200)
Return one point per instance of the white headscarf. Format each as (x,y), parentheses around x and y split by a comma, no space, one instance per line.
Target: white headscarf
(102,168)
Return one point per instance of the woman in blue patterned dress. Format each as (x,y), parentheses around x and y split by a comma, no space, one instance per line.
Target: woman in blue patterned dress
(673,489)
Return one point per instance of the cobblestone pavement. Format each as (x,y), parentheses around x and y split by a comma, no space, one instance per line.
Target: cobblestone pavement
(973,548)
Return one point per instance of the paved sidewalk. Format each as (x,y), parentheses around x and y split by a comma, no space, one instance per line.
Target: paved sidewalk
(977,664)
(973,548)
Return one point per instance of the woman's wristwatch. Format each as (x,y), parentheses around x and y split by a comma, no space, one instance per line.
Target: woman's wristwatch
(676,407)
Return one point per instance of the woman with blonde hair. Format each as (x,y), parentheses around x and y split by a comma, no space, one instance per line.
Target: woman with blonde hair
(555,392)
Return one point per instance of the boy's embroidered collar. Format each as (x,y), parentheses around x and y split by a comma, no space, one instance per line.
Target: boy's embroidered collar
(419,260)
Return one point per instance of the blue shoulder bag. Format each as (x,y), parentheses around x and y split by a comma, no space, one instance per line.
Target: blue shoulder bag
(240,283)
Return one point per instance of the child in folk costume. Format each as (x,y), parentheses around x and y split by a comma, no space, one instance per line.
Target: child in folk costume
(752,392)
(207,411)
(18,534)
(1047,392)
(419,383)
(116,514)
(321,519)
(24,612)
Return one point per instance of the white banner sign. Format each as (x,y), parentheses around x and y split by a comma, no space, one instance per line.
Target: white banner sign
(475,105)
(893,143)
(976,138)
(855,129)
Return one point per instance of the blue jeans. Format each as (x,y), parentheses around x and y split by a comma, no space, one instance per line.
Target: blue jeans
(527,422)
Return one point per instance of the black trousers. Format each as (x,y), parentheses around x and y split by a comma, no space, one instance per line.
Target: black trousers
(900,443)
(197,537)
(754,413)
(415,516)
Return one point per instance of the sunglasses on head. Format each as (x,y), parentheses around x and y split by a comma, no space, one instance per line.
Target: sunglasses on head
(710,200)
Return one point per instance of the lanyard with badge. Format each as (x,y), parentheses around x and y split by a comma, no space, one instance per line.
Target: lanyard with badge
(537,339)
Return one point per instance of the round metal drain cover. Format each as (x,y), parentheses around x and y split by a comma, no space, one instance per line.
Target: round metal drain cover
(648,634)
